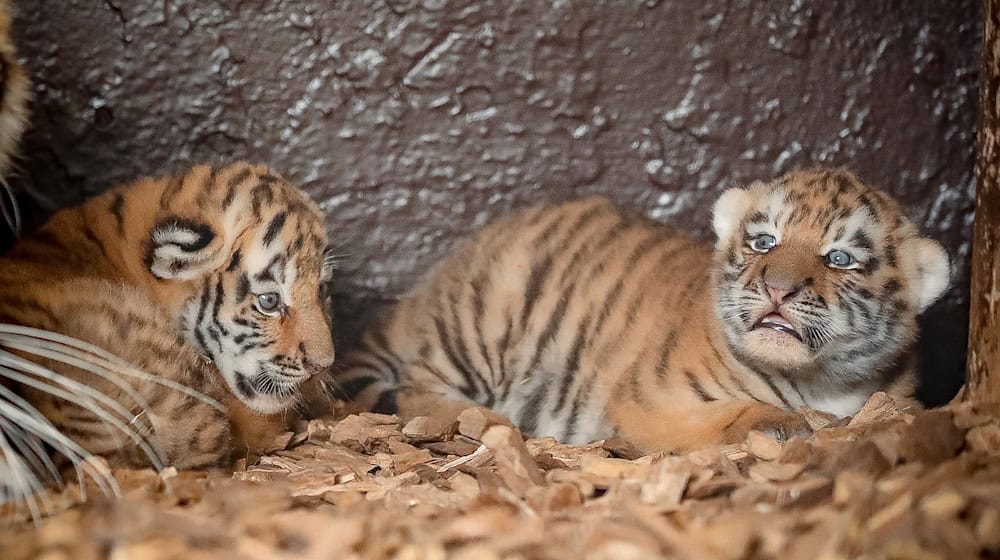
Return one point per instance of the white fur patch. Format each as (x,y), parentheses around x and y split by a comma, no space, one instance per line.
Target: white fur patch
(928,269)
(727,213)
(175,235)
(838,402)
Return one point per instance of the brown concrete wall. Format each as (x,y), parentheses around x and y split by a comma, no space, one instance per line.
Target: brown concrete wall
(414,121)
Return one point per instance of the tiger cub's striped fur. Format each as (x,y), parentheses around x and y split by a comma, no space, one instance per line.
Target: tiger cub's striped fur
(210,277)
(579,322)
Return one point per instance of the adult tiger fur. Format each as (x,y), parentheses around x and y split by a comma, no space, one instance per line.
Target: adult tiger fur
(220,264)
(579,322)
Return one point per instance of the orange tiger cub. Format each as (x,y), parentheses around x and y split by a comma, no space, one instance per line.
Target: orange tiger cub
(579,322)
(209,278)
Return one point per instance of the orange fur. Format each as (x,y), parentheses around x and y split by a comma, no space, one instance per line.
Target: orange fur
(167,272)
(581,322)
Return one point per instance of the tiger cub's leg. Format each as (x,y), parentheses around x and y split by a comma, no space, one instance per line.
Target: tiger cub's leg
(123,417)
(686,426)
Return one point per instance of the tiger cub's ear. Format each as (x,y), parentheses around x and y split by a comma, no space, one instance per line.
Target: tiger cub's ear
(728,212)
(182,249)
(927,268)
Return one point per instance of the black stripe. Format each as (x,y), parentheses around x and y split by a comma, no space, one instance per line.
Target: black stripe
(548,333)
(468,387)
(386,403)
(571,369)
(243,386)
(267,273)
(698,389)
(213,334)
(533,289)
(246,322)
(765,378)
(220,296)
(351,389)
(261,194)
(631,378)
(582,394)
(170,191)
(502,358)
(208,186)
(234,182)
(374,363)
(461,348)
(478,311)
(118,211)
(529,416)
(242,288)
(88,232)
(669,344)
(234,262)
(274,228)
(539,274)
(715,378)
(203,305)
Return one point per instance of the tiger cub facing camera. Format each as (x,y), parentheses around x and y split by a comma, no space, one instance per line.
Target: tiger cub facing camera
(209,278)
(581,323)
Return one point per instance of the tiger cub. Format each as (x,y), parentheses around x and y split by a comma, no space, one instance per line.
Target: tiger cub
(581,323)
(210,278)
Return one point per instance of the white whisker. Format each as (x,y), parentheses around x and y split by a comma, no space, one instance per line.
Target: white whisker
(18,416)
(103,358)
(10,208)
(76,392)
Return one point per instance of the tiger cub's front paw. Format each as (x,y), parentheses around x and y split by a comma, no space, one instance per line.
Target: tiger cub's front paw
(784,427)
(774,422)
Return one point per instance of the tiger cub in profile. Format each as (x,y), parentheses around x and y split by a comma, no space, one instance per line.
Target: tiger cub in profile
(581,323)
(209,278)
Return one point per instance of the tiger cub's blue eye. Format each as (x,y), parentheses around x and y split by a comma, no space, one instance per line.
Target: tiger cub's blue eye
(763,243)
(268,303)
(839,259)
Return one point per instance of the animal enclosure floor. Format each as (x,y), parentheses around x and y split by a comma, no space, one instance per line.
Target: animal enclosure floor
(886,484)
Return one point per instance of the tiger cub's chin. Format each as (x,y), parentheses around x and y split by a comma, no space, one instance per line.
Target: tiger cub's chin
(580,322)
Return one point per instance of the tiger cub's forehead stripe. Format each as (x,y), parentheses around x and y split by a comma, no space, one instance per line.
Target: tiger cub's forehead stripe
(274,228)
(234,183)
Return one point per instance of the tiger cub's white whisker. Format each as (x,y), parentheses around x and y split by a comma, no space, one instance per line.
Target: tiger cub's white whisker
(103,358)
(77,392)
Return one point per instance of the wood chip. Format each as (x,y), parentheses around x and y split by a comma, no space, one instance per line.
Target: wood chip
(473,422)
(764,472)
(514,463)
(879,408)
(892,484)
(762,446)
(429,428)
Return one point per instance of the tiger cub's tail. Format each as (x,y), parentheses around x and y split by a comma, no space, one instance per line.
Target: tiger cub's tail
(371,376)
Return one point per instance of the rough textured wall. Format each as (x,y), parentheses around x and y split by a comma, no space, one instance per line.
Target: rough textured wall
(416,121)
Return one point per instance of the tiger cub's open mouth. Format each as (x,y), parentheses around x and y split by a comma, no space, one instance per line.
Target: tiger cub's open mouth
(775,321)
